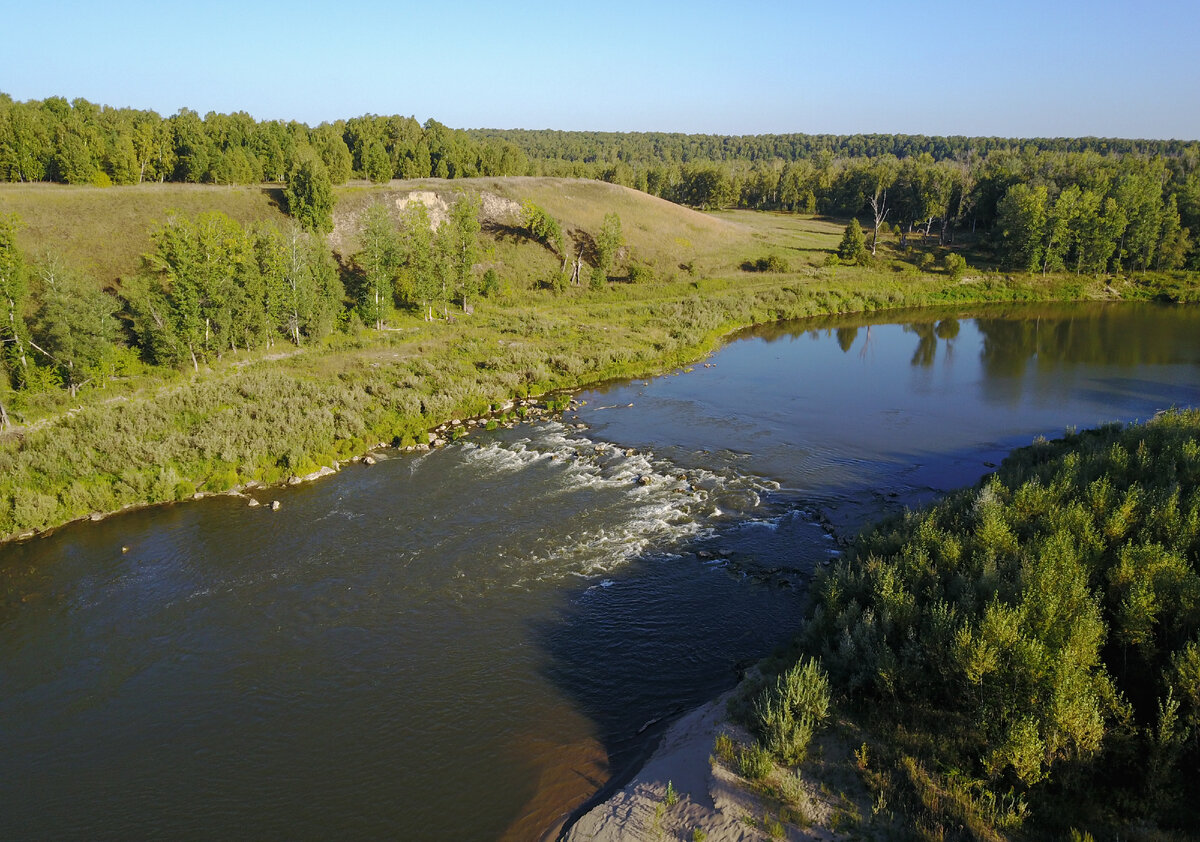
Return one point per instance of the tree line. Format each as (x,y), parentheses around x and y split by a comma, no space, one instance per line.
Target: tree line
(1089,205)
(211,285)
(642,149)
(80,142)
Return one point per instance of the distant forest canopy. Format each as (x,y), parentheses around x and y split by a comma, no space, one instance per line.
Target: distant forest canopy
(79,142)
(1088,205)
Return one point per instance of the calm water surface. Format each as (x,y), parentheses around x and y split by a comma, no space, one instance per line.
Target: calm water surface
(462,644)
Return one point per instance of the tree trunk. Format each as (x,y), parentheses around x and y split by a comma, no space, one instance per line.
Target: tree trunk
(12,322)
(4,423)
(879,209)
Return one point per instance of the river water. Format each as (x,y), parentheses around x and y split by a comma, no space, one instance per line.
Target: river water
(465,644)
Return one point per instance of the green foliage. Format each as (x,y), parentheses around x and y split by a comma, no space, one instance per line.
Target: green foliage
(461,238)
(608,242)
(490,285)
(309,195)
(853,248)
(379,264)
(376,165)
(754,762)
(1043,623)
(639,273)
(420,281)
(14,291)
(74,325)
(770,263)
(724,749)
(788,711)
(955,265)
(541,226)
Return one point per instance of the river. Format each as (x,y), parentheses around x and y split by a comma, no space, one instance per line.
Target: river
(466,643)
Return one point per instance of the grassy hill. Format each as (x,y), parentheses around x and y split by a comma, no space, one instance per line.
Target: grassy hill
(105,231)
(264,415)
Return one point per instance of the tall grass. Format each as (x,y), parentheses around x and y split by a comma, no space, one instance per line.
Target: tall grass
(164,435)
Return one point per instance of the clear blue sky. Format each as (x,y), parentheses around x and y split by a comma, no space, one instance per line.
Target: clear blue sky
(1049,68)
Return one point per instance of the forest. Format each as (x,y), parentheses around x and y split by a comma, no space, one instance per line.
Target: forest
(1083,205)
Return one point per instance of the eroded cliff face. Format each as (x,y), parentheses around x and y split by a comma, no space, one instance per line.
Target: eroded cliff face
(494,210)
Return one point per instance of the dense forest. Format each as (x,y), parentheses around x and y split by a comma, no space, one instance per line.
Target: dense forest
(79,142)
(1086,205)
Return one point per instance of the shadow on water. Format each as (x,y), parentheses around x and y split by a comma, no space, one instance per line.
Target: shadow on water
(705,612)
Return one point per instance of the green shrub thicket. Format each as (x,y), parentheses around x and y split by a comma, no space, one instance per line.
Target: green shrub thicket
(1032,645)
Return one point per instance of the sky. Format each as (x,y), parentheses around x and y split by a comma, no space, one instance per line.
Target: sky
(1014,69)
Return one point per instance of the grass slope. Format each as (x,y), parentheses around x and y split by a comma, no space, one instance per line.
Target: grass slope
(265,416)
(105,231)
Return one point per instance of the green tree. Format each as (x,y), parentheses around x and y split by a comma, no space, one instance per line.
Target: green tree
(378,260)
(853,248)
(955,265)
(376,165)
(190,303)
(608,242)
(1173,238)
(303,294)
(309,194)
(463,246)
(1021,226)
(541,226)
(1059,223)
(14,291)
(74,325)
(327,141)
(421,279)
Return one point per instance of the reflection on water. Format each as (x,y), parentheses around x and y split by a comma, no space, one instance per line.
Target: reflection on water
(465,643)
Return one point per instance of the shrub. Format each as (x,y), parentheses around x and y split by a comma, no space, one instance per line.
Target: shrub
(754,762)
(640,274)
(770,263)
(787,712)
(723,749)
(853,248)
(955,265)
(490,285)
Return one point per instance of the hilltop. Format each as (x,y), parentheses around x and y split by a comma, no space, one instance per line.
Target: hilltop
(105,231)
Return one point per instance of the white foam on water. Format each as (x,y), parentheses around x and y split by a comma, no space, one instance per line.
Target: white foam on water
(638,501)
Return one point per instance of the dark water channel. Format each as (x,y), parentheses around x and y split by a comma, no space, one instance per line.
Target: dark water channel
(462,644)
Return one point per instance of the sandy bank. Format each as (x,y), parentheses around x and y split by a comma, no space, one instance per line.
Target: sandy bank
(715,805)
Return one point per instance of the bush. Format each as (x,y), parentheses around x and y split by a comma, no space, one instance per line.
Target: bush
(723,749)
(770,263)
(787,712)
(754,762)
(853,248)
(491,283)
(955,265)
(640,274)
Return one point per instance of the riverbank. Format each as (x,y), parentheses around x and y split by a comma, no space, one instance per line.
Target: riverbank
(687,790)
(265,420)
(264,417)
